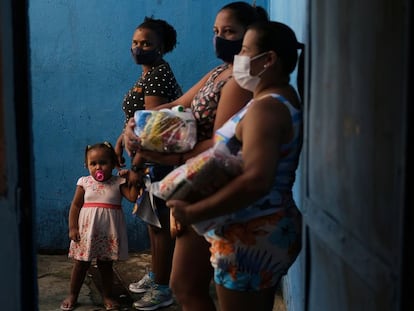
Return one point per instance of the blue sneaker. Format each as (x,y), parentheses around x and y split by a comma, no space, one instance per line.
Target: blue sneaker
(154,298)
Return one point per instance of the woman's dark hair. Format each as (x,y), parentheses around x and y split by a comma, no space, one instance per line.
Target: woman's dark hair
(280,38)
(164,31)
(107,147)
(245,13)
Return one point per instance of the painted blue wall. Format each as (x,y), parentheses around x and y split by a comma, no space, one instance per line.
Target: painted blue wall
(293,13)
(80,69)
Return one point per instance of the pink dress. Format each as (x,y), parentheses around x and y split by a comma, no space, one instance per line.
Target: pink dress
(102,226)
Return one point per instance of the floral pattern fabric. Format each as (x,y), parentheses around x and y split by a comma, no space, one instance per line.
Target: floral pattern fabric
(263,240)
(102,230)
(254,255)
(205,102)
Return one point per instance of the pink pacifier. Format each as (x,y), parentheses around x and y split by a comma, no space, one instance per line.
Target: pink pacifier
(99,176)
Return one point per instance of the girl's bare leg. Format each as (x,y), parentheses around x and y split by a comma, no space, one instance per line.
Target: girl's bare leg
(107,278)
(79,270)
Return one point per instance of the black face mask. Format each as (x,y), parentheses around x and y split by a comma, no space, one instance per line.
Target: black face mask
(142,57)
(226,49)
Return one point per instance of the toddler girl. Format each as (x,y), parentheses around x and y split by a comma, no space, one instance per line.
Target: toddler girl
(97,226)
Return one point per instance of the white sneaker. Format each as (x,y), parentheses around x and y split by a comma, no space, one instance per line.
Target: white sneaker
(143,285)
(154,298)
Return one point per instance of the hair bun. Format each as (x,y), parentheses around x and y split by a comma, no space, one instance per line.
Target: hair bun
(300,46)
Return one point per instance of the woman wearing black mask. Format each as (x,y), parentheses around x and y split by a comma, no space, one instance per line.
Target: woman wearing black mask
(252,252)
(151,40)
(213,100)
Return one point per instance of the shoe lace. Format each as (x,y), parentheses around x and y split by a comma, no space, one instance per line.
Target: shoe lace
(152,293)
(156,294)
(146,280)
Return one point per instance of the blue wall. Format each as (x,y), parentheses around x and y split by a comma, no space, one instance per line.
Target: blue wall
(80,69)
(293,13)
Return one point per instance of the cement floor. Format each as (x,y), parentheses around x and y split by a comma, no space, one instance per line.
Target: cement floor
(53,273)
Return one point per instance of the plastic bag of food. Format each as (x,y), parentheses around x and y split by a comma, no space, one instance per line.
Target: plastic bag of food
(199,177)
(166,130)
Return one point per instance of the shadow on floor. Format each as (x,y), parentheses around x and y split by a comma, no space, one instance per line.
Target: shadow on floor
(53,274)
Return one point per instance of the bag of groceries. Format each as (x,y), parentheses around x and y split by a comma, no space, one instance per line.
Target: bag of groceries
(166,130)
(199,177)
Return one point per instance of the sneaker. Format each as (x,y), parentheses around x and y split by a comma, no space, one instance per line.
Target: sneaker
(154,298)
(143,285)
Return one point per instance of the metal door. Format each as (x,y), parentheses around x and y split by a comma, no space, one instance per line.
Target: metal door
(17,260)
(355,154)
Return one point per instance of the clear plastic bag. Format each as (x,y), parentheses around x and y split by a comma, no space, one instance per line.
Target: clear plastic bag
(166,130)
(198,178)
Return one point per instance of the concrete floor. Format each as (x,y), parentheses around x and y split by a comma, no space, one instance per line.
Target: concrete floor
(53,273)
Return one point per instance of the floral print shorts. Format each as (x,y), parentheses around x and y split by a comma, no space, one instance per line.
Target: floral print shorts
(254,255)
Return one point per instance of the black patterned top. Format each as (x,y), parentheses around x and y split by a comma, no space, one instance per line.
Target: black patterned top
(158,81)
(205,102)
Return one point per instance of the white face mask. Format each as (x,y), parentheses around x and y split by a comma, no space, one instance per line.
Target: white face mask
(241,72)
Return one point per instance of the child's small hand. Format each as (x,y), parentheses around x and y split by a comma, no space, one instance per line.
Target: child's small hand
(74,235)
(123,173)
